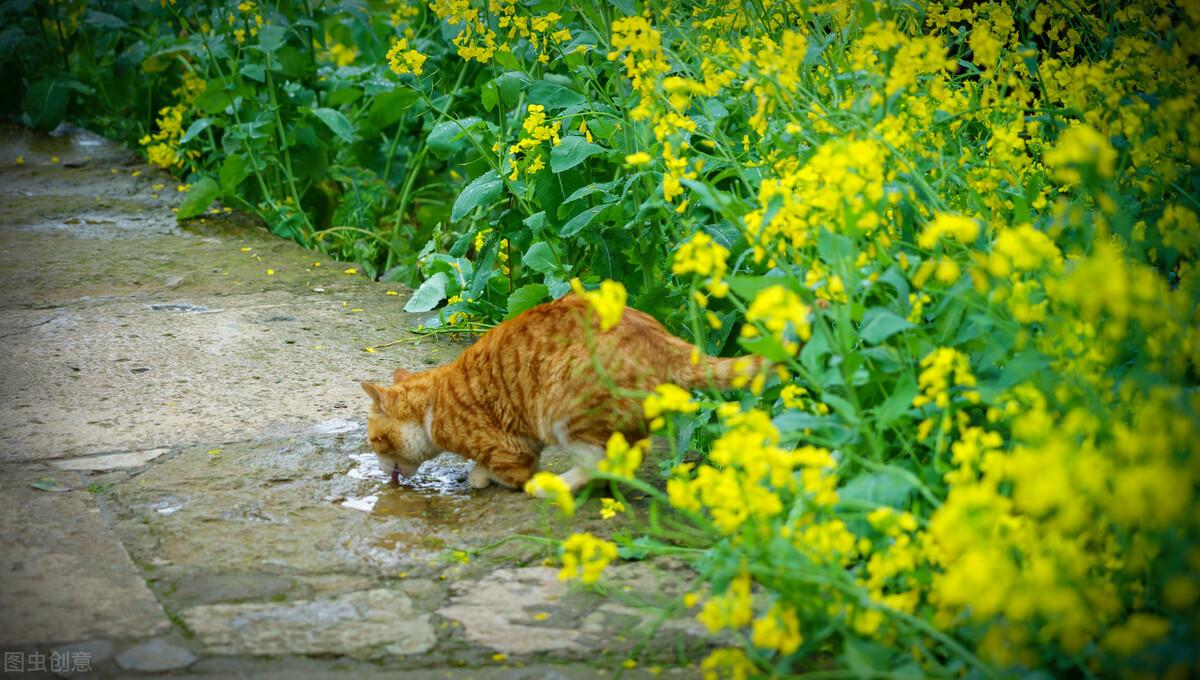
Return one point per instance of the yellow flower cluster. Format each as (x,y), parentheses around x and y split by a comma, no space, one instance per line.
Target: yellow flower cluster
(608,301)
(585,557)
(162,147)
(479,42)
(781,314)
(403,60)
(548,485)
(751,474)
(703,256)
(536,130)
(667,398)
(843,177)
(1081,147)
(621,458)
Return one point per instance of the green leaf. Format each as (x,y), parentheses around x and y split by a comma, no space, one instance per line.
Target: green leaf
(898,402)
(509,86)
(864,658)
(525,297)
(765,346)
(337,122)
(45,103)
(578,222)
(48,484)
(553,95)
(389,107)
(202,193)
(749,286)
(540,258)
(195,129)
(588,190)
(233,171)
(447,138)
(256,72)
(271,37)
(429,295)
(482,190)
(571,152)
(889,485)
(880,323)
(536,222)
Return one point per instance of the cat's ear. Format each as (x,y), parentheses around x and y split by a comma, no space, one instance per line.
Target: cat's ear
(400,374)
(377,393)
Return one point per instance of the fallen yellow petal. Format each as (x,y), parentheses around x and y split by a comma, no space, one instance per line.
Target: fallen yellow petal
(392,292)
(351,270)
(246,249)
(270,272)
(369,350)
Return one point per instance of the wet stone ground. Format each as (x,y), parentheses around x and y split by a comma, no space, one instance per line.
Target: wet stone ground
(184,477)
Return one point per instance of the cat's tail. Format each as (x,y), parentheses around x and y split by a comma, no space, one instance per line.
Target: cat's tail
(720,373)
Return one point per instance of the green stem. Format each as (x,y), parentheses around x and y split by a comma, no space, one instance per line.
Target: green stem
(283,146)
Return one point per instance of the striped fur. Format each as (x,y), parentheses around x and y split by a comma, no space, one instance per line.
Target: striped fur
(546,377)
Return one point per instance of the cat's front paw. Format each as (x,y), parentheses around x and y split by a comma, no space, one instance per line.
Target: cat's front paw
(479,477)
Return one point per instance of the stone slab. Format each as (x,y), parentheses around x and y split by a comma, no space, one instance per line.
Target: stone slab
(366,623)
(63,575)
(111,461)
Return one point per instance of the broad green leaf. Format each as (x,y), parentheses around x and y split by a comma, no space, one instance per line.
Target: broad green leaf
(578,222)
(553,95)
(880,323)
(271,37)
(202,193)
(540,258)
(536,221)
(525,297)
(104,20)
(571,152)
(429,295)
(765,346)
(864,658)
(449,137)
(843,407)
(337,122)
(749,286)
(897,402)
(587,190)
(389,107)
(482,190)
(194,129)
(889,486)
(256,72)
(45,103)
(233,171)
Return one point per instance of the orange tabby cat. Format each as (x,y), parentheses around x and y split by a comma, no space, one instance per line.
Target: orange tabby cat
(547,377)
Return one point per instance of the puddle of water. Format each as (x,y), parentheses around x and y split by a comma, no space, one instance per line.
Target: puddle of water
(71,144)
(338,426)
(180,307)
(169,509)
(437,489)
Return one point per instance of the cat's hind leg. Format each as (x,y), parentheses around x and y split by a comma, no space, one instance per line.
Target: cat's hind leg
(586,456)
(479,477)
(509,460)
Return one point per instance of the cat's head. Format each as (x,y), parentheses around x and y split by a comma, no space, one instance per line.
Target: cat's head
(396,426)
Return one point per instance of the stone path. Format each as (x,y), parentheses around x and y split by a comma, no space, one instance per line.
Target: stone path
(184,477)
